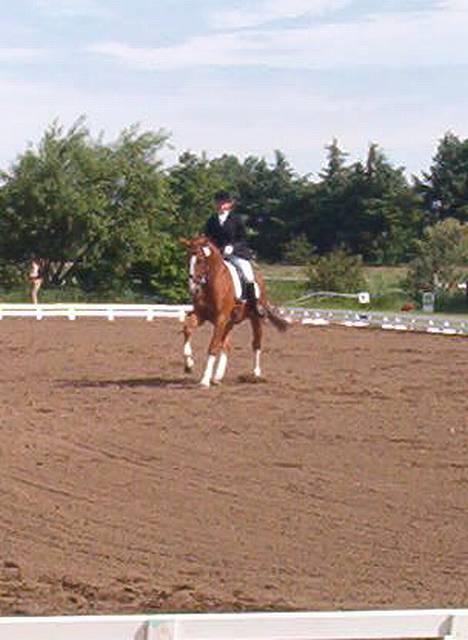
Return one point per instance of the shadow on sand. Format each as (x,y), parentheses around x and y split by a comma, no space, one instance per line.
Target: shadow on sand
(131,383)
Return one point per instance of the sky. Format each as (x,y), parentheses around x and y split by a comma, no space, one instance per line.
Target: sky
(245,77)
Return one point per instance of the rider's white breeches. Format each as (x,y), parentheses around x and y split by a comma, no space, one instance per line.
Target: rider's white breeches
(245,266)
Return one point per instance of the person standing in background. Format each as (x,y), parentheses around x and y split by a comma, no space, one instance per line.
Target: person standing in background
(36,277)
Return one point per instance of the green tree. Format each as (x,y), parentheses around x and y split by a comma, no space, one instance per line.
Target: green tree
(229,170)
(298,251)
(267,196)
(95,211)
(384,213)
(441,259)
(336,271)
(445,186)
(192,183)
(332,201)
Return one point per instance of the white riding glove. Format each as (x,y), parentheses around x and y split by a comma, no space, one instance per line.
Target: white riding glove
(228,249)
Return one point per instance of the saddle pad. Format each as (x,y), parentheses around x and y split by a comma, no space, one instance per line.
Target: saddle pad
(235,280)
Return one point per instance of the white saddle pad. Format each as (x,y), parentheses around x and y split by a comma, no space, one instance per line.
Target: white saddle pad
(235,280)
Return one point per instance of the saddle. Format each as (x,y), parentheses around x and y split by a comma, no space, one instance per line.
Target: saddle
(239,281)
(244,292)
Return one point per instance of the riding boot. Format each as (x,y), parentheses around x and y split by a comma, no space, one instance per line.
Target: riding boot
(253,300)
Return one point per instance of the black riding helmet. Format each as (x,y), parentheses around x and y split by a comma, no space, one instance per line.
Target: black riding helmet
(223,196)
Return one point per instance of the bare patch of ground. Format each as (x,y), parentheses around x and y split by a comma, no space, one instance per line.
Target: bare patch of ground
(341,481)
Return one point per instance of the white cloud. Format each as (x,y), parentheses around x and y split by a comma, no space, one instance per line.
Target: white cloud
(301,122)
(218,50)
(247,120)
(271,10)
(239,120)
(454,5)
(390,40)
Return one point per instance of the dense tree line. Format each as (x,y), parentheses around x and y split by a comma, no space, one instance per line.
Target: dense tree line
(108,214)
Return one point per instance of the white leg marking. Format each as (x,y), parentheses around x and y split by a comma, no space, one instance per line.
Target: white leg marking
(192,285)
(257,370)
(206,380)
(220,367)
(188,357)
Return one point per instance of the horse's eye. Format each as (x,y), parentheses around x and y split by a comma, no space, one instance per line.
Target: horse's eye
(206,251)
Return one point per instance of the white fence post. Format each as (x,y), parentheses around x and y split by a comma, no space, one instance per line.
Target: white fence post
(458,628)
(162,630)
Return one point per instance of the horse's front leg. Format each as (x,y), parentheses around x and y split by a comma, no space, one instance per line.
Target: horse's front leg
(213,350)
(223,355)
(191,322)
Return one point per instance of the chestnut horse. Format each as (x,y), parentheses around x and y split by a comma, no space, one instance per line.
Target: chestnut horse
(214,300)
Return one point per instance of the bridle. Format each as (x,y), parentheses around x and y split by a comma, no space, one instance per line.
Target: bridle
(198,271)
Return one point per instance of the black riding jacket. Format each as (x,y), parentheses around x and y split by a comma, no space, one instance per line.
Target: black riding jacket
(231,232)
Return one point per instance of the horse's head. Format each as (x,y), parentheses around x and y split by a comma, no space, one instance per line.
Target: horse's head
(203,258)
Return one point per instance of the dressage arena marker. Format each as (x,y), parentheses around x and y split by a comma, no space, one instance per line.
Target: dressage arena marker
(442,325)
(444,624)
(380,320)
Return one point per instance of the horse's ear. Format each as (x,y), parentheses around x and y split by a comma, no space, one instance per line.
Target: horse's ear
(184,242)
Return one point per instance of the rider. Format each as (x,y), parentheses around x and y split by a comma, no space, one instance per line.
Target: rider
(227,231)
(36,277)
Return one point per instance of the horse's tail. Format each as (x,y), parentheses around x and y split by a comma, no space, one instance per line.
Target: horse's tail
(275,318)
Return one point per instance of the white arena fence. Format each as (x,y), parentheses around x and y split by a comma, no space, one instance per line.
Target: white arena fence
(445,325)
(446,624)
(110,311)
(437,324)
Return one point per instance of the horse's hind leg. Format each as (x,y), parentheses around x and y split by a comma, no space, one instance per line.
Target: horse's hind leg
(191,322)
(257,329)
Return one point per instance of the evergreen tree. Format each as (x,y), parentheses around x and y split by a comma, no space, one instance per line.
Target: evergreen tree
(265,195)
(384,213)
(331,195)
(445,186)
(192,183)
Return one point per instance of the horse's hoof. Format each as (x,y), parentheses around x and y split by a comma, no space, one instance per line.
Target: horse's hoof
(217,382)
(188,369)
(204,385)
